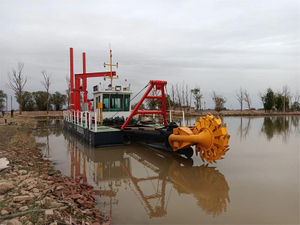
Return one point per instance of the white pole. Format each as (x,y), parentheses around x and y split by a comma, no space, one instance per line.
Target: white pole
(81,123)
(183,119)
(85,122)
(96,114)
(170,116)
(90,121)
(77,118)
(83,119)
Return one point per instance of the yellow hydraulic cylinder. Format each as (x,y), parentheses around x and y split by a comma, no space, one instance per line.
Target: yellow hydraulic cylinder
(100,109)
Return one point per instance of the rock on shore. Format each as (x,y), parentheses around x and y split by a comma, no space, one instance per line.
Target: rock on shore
(33,192)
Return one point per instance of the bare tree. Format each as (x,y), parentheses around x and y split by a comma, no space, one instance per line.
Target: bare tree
(68,91)
(46,83)
(296,96)
(261,96)
(16,82)
(187,96)
(182,96)
(247,98)
(178,94)
(240,97)
(219,101)
(287,96)
(173,96)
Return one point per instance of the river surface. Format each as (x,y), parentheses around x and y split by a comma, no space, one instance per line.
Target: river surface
(257,182)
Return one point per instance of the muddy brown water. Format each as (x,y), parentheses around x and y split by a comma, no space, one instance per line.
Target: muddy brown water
(256,183)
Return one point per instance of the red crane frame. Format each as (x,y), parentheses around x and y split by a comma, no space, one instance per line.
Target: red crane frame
(75,92)
(158,85)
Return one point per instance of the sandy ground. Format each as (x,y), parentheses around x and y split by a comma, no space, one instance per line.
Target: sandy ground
(32,191)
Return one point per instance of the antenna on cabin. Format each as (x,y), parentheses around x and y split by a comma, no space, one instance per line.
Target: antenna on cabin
(111,65)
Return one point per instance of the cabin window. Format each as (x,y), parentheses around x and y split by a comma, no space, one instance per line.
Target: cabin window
(105,102)
(126,102)
(116,102)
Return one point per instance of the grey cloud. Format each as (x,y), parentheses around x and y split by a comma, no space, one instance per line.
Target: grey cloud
(218,45)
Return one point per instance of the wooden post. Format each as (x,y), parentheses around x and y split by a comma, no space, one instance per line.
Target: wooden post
(183,119)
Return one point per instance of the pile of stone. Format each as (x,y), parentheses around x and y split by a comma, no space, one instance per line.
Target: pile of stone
(33,192)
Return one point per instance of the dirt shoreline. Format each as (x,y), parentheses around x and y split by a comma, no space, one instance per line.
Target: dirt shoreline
(32,191)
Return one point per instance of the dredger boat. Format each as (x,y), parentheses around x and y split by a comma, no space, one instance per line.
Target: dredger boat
(108,120)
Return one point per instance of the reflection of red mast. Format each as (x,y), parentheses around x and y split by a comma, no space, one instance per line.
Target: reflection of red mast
(76,163)
(159,210)
(205,183)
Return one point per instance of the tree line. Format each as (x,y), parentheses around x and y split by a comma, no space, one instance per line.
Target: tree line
(180,95)
(30,101)
(282,100)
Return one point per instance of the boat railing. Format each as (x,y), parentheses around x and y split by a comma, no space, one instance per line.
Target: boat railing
(85,119)
(177,111)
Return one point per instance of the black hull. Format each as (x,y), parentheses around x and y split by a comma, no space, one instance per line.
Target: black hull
(96,139)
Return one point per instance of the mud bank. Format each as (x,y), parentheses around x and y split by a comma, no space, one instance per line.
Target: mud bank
(33,192)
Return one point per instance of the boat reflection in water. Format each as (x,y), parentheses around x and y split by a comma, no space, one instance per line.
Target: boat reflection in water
(113,169)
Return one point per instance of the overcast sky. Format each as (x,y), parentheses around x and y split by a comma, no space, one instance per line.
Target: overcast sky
(218,45)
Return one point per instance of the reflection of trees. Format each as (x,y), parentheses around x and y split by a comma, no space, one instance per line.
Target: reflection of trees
(45,128)
(243,132)
(280,126)
(295,123)
(47,148)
